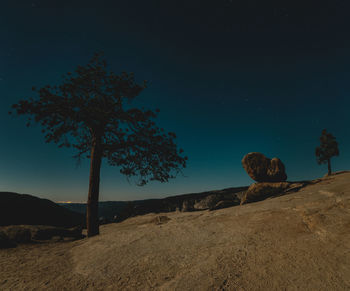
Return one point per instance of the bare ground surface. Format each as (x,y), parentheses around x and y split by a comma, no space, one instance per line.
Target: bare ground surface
(300,241)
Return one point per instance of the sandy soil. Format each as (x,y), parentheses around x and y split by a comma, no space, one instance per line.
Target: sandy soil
(300,241)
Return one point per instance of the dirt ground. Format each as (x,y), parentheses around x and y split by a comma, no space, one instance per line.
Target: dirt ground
(300,241)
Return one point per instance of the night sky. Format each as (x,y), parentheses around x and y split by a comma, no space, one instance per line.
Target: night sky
(229,78)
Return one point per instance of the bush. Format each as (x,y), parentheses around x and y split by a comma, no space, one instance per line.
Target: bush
(5,242)
(19,234)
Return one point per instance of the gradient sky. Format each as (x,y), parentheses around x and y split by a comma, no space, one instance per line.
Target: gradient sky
(230,77)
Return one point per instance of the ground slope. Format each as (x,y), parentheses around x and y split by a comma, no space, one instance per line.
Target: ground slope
(300,241)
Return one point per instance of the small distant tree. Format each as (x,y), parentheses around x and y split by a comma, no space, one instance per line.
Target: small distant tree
(89,112)
(327,149)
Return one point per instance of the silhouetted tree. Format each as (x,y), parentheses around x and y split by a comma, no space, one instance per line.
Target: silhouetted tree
(88,112)
(327,149)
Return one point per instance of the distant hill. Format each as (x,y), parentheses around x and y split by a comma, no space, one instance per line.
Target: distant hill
(27,209)
(124,209)
(106,209)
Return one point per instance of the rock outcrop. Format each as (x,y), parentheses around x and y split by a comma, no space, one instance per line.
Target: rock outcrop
(188,205)
(160,219)
(207,202)
(261,191)
(263,169)
(223,204)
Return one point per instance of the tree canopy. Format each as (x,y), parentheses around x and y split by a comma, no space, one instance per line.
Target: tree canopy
(92,102)
(328,147)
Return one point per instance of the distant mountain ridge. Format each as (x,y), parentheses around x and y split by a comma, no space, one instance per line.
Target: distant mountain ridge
(108,210)
(16,209)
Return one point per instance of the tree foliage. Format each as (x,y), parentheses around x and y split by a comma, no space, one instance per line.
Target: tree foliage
(328,148)
(93,103)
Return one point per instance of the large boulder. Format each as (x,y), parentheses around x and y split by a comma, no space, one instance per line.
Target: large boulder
(261,191)
(263,169)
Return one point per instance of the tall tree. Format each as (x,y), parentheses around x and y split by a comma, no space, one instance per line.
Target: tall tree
(89,112)
(327,149)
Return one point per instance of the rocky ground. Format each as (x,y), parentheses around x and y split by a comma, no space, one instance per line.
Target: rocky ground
(299,241)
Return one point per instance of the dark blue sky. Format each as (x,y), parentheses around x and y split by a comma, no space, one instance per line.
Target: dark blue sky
(230,77)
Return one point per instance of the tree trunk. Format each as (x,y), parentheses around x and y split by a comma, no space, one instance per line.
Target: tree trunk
(329,167)
(92,222)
